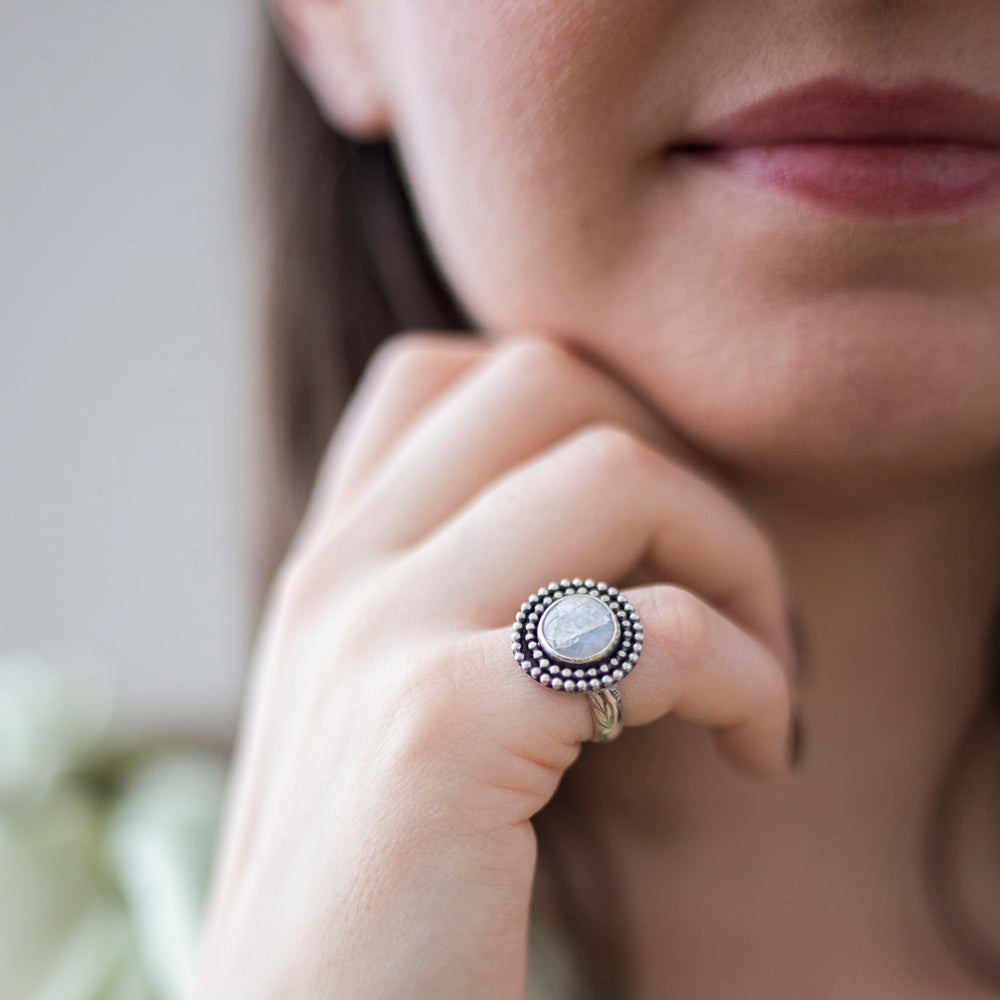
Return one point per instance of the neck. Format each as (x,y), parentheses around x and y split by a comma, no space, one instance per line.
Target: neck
(896,600)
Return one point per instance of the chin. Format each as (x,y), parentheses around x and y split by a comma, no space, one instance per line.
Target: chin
(847,398)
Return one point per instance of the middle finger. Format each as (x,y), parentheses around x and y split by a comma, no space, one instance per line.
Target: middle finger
(597,505)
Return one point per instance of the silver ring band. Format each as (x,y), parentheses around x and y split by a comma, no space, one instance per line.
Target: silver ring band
(580,635)
(606,706)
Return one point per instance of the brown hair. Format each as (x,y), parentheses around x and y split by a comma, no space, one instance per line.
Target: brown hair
(345,265)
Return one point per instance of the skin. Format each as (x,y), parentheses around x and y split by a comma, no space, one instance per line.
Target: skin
(795,407)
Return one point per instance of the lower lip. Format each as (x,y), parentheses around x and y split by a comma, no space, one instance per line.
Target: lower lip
(870,178)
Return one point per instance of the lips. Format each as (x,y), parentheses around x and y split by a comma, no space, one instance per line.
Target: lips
(927,147)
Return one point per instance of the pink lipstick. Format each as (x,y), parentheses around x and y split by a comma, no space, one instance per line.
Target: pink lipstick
(929,147)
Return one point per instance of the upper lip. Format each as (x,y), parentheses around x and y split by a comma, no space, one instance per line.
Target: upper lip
(834,108)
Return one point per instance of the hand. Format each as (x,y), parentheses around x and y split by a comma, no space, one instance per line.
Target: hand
(377,841)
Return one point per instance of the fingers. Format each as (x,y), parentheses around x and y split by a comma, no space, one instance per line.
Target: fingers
(704,668)
(596,505)
(695,663)
(491,472)
(404,376)
(526,395)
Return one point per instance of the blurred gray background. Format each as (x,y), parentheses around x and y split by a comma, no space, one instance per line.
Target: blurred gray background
(126,338)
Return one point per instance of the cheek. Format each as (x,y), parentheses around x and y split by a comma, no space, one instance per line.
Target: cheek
(520,125)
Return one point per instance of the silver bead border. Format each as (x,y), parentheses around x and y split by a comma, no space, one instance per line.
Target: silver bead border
(557,674)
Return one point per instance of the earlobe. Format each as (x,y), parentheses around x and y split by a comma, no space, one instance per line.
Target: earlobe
(324,40)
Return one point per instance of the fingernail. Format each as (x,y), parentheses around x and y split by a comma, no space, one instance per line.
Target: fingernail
(796,638)
(796,738)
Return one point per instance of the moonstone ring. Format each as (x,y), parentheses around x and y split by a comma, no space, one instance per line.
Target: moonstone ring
(580,635)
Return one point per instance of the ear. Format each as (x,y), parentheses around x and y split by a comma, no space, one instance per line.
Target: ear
(324,40)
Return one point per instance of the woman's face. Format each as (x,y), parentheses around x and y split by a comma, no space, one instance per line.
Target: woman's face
(786,335)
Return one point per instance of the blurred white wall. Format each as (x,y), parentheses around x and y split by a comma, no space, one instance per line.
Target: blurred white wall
(125,341)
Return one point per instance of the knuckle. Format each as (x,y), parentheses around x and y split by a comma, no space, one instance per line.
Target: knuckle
(684,622)
(404,356)
(289,583)
(609,451)
(393,354)
(535,366)
(318,567)
(295,590)
(425,716)
(540,368)
(531,353)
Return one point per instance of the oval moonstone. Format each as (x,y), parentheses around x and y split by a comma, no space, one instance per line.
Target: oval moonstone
(578,628)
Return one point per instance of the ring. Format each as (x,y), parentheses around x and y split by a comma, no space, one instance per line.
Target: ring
(580,635)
